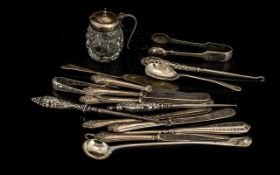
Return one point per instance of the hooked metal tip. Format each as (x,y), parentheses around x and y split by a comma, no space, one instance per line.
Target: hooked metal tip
(262,79)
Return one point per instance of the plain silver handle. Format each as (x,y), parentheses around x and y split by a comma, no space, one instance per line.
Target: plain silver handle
(227,85)
(111,81)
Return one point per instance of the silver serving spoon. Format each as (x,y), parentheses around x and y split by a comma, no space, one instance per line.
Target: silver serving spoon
(214,51)
(165,72)
(99,150)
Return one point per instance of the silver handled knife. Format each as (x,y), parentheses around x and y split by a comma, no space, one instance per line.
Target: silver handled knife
(215,115)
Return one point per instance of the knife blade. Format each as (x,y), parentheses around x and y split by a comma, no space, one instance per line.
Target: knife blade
(144,80)
(92,124)
(215,115)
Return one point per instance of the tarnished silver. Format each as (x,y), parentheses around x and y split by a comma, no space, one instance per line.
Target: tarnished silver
(92,124)
(215,115)
(110,137)
(214,51)
(99,150)
(220,128)
(99,79)
(165,72)
(147,107)
(151,59)
(94,99)
(156,95)
(56,103)
(143,80)
(65,85)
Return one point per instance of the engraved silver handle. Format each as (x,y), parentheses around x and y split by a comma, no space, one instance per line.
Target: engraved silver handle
(92,124)
(56,103)
(105,91)
(221,128)
(111,81)
(146,107)
(214,72)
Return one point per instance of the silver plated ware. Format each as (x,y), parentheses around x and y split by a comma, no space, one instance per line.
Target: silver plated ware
(214,52)
(165,72)
(56,103)
(99,150)
(151,59)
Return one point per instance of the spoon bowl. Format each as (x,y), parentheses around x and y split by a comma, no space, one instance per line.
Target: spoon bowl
(160,38)
(161,71)
(157,51)
(97,149)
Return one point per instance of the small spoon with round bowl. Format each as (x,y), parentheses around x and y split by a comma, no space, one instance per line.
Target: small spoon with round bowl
(99,150)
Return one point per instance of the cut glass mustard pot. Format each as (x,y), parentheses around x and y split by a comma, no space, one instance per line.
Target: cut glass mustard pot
(104,37)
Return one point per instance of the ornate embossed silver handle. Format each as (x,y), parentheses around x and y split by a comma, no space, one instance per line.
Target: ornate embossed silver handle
(146,107)
(56,103)
(221,128)
(111,81)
